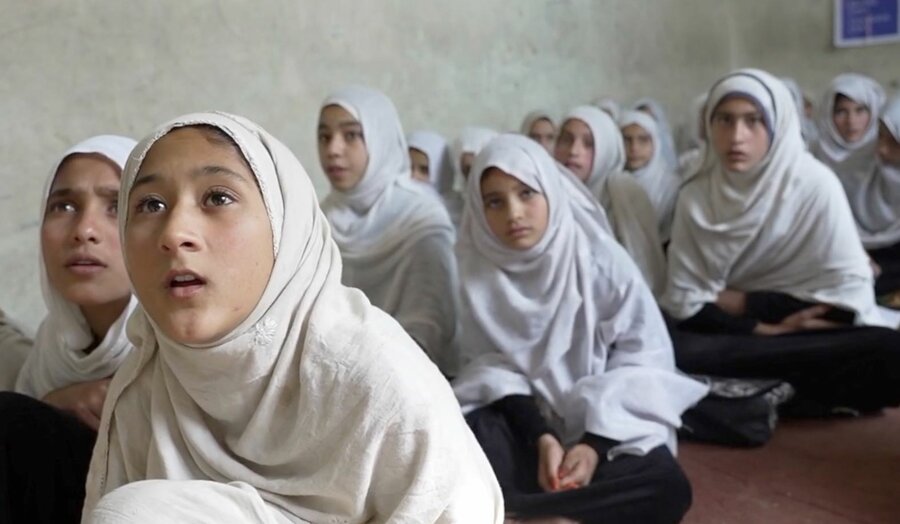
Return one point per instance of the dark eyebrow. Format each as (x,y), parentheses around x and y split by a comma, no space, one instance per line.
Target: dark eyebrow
(343,125)
(205,170)
(61,192)
(491,194)
(107,192)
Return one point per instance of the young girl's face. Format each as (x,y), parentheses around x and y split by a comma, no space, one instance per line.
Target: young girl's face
(575,148)
(198,242)
(516,213)
(419,163)
(544,133)
(638,147)
(342,148)
(739,135)
(888,146)
(79,234)
(850,118)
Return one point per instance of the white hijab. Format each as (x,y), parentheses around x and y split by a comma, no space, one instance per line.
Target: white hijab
(666,140)
(532,117)
(609,106)
(379,223)
(689,161)
(657,177)
(629,210)
(877,203)
(317,400)
(569,320)
(440,165)
(58,358)
(786,226)
(849,160)
(470,140)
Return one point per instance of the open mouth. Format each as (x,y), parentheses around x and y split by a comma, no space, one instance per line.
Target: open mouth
(184,284)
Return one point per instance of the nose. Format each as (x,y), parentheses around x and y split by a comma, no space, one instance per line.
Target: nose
(86,228)
(178,232)
(334,146)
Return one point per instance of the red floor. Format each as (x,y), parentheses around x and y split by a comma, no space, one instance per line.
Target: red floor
(817,472)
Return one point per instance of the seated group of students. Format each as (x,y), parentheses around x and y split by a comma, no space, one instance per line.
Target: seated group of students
(246,354)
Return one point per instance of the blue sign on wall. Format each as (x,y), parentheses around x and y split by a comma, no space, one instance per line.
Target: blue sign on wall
(866,22)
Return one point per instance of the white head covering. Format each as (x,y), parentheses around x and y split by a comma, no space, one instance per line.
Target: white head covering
(471,140)
(807,125)
(609,106)
(657,178)
(631,215)
(377,239)
(317,400)
(532,117)
(785,226)
(440,165)
(552,321)
(58,358)
(843,157)
(670,155)
(876,205)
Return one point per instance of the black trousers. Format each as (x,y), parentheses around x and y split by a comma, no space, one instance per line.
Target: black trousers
(855,367)
(44,460)
(888,258)
(630,489)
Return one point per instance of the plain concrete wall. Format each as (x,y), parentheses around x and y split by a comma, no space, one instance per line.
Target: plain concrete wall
(71,69)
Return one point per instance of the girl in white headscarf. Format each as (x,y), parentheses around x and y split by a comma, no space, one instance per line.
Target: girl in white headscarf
(848,128)
(590,145)
(644,161)
(572,387)
(48,427)
(764,245)
(430,161)
(653,108)
(538,125)
(262,389)
(876,205)
(396,239)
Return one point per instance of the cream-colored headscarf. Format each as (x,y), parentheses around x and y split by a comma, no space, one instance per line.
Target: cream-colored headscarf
(532,117)
(58,358)
(440,165)
(628,208)
(850,161)
(657,177)
(382,224)
(876,205)
(664,129)
(785,226)
(318,401)
(569,320)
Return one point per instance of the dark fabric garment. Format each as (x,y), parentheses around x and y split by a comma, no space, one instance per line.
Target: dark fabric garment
(526,420)
(888,258)
(601,445)
(650,489)
(713,319)
(772,307)
(769,307)
(523,414)
(44,460)
(855,367)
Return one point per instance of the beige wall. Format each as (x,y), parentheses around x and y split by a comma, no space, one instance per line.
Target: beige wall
(71,69)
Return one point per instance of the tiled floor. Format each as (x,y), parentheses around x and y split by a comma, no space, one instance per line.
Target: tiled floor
(816,472)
